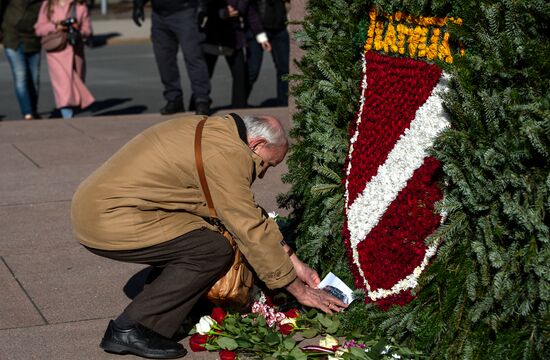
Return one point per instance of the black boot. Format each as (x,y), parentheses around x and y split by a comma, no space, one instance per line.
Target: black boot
(202,108)
(173,107)
(139,340)
(192,103)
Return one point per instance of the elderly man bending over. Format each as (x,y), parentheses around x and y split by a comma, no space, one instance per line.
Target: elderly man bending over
(145,205)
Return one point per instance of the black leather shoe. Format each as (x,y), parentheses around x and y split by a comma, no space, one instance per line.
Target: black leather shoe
(140,341)
(173,107)
(202,108)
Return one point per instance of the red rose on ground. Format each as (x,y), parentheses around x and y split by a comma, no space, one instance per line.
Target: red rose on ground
(197,341)
(227,355)
(286,329)
(218,314)
(292,313)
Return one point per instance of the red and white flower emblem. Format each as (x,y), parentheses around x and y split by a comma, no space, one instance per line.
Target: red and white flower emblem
(391,182)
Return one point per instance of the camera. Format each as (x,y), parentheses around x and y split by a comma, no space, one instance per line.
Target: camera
(69,21)
(73,35)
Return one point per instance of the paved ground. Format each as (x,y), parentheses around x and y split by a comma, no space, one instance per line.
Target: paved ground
(56,298)
(124,81)
(117,26)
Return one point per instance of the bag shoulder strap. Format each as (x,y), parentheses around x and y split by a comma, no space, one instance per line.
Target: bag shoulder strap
(200,169)
(206,190)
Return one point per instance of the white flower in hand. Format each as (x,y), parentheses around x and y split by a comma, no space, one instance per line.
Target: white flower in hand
(205,325)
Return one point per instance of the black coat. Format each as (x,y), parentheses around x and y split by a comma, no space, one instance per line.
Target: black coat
(17,19)
(231,31)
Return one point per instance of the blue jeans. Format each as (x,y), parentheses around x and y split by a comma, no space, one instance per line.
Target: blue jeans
(25,68)
(67,112)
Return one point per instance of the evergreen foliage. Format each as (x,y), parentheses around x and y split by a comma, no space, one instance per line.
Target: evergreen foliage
(486,295)
(327,89)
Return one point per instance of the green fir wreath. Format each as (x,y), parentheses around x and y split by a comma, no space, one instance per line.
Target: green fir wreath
(487,292)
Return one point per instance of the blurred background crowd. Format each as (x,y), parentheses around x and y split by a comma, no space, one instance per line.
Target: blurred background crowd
(59,31)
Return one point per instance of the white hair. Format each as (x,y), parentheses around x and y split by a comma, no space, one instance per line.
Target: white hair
(259,126)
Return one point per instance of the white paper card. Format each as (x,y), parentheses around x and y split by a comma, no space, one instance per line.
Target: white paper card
(336,287)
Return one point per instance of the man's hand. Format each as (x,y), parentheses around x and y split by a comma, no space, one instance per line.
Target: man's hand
(266,46)
(138,14)
(231,11)
(304,272)
(202,13)
(315,298)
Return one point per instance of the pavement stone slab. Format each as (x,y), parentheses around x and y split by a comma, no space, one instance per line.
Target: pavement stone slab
(71,150)
(13,160)
(68,341)
(18,131)
(16,308)
(72,284)
(56,183)
(125,127)
(36,228)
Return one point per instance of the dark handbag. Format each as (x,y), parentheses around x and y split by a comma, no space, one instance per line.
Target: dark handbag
(236,285)
(55,41)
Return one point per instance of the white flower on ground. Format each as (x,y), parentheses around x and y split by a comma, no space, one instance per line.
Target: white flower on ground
(291,321)
(338,355)
(328,341)
(273,214)
(205,325)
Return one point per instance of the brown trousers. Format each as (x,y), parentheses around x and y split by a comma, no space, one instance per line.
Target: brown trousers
(185,269)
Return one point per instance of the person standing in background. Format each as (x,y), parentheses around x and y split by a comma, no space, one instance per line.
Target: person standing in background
(67,67)
(226,27)
(274,20)
(22,49)
(175,24)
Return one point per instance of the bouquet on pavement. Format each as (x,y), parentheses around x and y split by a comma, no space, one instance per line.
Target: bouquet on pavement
(275,329)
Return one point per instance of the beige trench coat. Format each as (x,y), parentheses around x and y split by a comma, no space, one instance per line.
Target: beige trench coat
(149,192)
